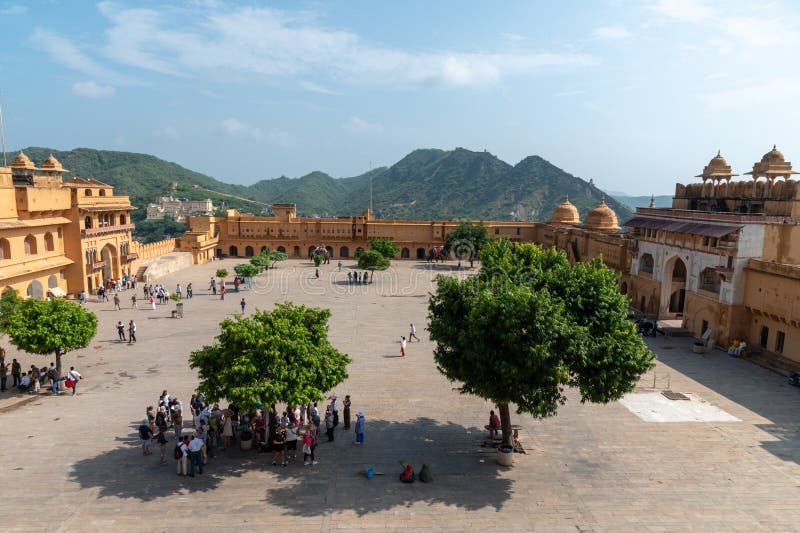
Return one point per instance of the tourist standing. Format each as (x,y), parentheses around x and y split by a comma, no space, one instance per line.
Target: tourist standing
(308,447)
(360,427)
(147,438)
(3,376)
(195,455)
(347,412)
(178,291)
(74,376)
(189,291)
(152,303)
(52,373)
(334,411)
(161,439)
(329,423)
(243,304)
(402,346)
(279,447)
(116,302)
(131,331)
(213,286)
(133,302)
(227,429)
(291,442)
(16,370)
(182,454)
(151,418)
(121,331)
(222,292)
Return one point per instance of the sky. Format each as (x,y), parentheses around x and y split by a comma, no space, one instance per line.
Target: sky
(635,95)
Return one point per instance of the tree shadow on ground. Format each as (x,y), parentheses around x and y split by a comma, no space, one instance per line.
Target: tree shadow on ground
(465,475)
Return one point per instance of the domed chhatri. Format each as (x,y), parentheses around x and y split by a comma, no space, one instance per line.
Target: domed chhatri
(22,161)
(601,218)
(717,168)
(51,164)
(565,213)
(772,165)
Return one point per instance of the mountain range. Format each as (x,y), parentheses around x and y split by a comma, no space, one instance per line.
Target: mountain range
(427,183)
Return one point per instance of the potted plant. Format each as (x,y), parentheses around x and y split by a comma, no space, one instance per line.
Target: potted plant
(246,439)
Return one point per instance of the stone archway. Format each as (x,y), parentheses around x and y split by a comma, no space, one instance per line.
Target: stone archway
(405,253)
(673,287)
(420,253)
(35,290)
(110,262)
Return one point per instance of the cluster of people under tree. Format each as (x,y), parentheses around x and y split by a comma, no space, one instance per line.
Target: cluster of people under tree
(33,379)
(360,278)
(214,429)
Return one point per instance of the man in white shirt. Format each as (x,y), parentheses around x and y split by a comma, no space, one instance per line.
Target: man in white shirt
(74,376)
(183,447)
(412,333)
(195,454)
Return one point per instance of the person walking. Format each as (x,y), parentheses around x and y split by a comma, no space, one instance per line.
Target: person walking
(121,331)
(346,404)
(340,266)
(178,291)
(3,376)
(74,376)
(412,333)
(133,302)
(189,291)
(360,427)
(131,331)
(55,379)
(195,455)
(213,286)
(222,292)
(16,371)
(334,410)
(243,304)
(152,303)
(116,302)
(402,346)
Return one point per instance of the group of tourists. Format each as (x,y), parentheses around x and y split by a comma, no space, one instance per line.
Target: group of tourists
(360,278)
(131,331)
(32,380)
(214,429)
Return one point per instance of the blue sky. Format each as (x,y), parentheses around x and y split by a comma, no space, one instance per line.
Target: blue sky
(636,95)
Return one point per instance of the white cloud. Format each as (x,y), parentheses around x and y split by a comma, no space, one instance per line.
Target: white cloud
(611,33)
(316,88)
(67,53)
(360,125)
(91,89)
(237,128)
(279,138)
(684,10)
(244,43)
(14,9)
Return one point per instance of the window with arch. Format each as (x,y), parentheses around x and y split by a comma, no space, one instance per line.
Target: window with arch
(123,220)
(87,192)
(646,263)
(49,243)
(102,192)
(30,245)
(248,251)
(5,249)
(623,288)
(87,222)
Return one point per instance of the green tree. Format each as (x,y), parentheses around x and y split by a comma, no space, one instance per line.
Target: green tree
(372,260)
(530,325)
(271,357)
(51,327)
(246,270)
(8,301)
(276,257)
(261,261)
(222,274)
(467,240)
(385,247)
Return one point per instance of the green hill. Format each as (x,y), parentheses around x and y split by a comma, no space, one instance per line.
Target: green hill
(427,183)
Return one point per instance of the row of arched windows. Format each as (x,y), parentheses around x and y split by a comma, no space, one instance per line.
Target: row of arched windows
(30,245)
(104,220)
(88,192)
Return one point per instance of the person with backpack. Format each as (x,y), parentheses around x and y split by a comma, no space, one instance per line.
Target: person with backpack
(52,374)
(181,454)
(161,439)
(147,438)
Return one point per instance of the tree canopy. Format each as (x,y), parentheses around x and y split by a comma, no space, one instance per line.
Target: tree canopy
(271,357)
(246,270)
(531,324)
(467,240)
(261,261)
(276,257)
(51,327)
(385,247)
(372,260)
(8,301)
(222,273)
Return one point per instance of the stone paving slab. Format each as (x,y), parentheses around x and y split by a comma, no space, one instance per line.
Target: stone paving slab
(592,468)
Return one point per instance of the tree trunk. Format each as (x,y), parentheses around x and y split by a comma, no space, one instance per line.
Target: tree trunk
(58,363)
(505,423)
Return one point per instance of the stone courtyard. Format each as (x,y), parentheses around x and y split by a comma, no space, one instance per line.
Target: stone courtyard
(75,463)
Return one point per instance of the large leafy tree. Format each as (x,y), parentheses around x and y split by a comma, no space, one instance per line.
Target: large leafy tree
(466,240)
(51,327)
(246,270)
(261,261)
(271,357)
(276,257)
(529,325)
(8,301)
(385,247)
(372,260)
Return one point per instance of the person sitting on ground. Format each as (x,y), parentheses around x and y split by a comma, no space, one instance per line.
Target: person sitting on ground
(25,382)
(494,425)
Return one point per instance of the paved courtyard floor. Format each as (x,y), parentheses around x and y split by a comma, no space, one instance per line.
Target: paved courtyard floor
(74,463)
